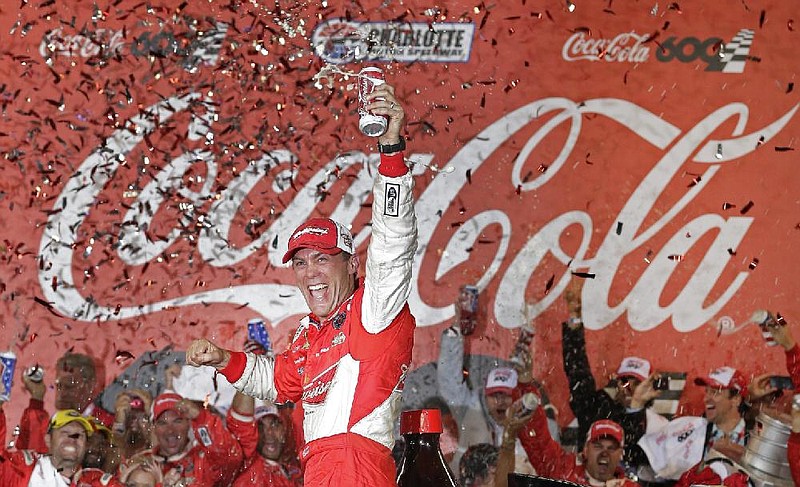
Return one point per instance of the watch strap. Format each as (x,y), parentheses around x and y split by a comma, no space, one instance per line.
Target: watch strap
(391,148)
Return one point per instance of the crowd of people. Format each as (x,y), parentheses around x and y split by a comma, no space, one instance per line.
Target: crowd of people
(328,405)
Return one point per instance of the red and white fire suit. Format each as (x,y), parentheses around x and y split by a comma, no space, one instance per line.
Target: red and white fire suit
(19,467)
(212,457)
(257,469)
(348,370)
(550,460)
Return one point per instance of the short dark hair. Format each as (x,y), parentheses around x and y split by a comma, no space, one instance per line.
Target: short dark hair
(476,462)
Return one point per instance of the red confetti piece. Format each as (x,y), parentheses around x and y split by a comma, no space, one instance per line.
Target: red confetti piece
(746,207)
(790,25)
(469,176)
(542,168)
(695,181)
(648,256)
(54,284)
(790,87)
(762,18)
(32,337)
(753,264)
(731,251)
(726,206)
(585,275)
(783,149)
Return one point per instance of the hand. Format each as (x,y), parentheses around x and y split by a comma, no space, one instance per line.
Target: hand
(383,102)
(253,346)
(782,335)
(644,392)
(122,406)
(35,389)
(572,295)
(759,387)
(172,478)
(188,409)
(795,419)
(203,352)
(525,368)
(515,420)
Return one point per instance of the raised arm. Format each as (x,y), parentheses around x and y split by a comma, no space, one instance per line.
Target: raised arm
(394,224)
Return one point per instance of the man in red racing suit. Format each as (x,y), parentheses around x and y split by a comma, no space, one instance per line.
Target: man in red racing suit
(597,464)
(348,359)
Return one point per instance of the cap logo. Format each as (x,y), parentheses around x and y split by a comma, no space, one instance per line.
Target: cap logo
(310,230)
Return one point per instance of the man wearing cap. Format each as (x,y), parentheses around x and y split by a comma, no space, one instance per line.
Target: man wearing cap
(193,442)
(348,359)
(625,404)
(75,383)
(727,431)
(597,464)
(66,438)
(264,435)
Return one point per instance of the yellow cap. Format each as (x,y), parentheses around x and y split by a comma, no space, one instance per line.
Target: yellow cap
(65,416)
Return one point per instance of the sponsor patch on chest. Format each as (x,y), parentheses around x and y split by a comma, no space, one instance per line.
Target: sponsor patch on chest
(316,390)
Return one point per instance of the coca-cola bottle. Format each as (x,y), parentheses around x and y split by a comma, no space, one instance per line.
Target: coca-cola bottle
(423,464)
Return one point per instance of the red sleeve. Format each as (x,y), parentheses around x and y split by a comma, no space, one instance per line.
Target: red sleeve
(288,381)
(235,368)
(393,166)
(223,453)
(245,432)
(793,365)
(546,456)
(705,476)
(793,455)
(33,427)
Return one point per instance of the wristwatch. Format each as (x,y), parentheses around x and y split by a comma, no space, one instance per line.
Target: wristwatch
(391,148)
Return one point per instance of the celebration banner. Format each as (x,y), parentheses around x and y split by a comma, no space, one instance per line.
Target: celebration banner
(156,156)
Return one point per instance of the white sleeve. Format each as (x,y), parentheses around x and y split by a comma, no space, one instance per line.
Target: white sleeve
(258,378)
(391,251)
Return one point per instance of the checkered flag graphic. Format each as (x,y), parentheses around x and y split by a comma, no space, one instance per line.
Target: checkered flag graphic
(734,55)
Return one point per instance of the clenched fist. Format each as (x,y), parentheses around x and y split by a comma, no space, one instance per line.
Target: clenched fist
(203,352)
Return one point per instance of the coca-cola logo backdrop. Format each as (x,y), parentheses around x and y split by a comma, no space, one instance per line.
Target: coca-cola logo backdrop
(157,159)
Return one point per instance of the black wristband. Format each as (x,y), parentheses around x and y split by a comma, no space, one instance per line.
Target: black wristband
(391,148)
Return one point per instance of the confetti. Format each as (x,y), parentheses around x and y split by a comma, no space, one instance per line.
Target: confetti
(762,18)
(585,275)
(123,356)
(549,284)
(784,149)
(675,257)
(648,256)
(746,207)
(726,206)
(790,87)
(619,228)
(753,264)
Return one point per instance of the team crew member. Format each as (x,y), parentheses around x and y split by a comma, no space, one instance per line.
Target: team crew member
(191,443)
(348,358)
(598,464)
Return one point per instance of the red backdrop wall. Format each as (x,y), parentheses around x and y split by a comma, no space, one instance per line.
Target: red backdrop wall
(156,155)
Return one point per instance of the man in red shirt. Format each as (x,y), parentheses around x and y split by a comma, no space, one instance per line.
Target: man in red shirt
(60,466)
(192,442)
(348,359)
(264,435)
(597,464)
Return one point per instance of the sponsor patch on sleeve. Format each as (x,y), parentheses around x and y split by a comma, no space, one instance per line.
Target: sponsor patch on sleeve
(392,197)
